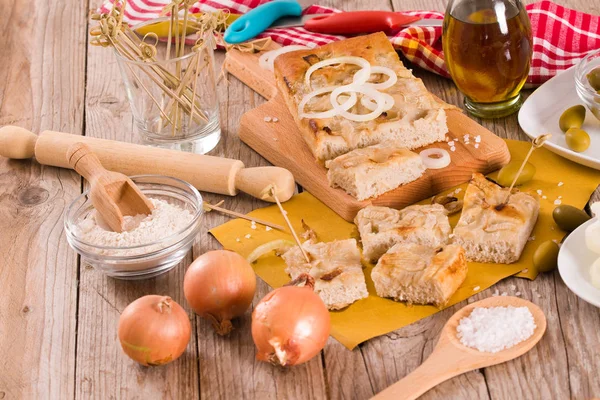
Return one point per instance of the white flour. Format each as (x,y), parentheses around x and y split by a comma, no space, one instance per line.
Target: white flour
(165,220)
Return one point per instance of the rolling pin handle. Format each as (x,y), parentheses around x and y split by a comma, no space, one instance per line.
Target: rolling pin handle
(17,142)
(84,161)
(258,181)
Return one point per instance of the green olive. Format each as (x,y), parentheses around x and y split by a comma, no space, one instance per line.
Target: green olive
(577,139)
(508,172)
(593,78)
(568,218)
(545,258)
(572,117)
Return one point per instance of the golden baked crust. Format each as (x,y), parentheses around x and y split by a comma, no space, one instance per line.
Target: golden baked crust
(490,231)
(381,228)
(336,268)
(420,274)
(417,118)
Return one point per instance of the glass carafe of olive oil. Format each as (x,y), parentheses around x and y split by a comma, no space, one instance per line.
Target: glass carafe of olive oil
(487,47)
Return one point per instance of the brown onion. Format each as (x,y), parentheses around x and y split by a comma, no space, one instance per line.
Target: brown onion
(154,330)
(219,286)
(291,324)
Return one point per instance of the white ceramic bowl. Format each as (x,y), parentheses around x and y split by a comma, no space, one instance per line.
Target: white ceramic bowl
(574,262)
(586,93)
(147,260)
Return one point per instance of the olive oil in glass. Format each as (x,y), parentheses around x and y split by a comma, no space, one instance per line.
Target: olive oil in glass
(487,47)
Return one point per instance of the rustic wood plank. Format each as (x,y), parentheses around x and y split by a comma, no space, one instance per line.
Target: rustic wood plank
(103,370)
(42,73)
(228,368)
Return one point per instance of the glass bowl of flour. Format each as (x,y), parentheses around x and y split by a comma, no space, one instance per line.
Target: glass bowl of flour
(149,244)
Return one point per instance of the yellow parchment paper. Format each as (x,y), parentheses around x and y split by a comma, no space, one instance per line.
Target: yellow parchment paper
(376,316)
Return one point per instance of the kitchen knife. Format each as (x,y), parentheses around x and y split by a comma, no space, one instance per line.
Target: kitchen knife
(283,14)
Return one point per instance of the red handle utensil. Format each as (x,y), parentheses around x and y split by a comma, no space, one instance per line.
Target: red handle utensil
(355,22)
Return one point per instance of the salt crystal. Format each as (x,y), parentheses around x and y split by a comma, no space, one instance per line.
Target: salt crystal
(457,191)
(525,271)
(275,139)
(496,328)
(476,288)
(503,294)
(253,227)
(451,235)
(539,191)
(512,287)
(557,202)
(518,294)
(268,228)
(496,293)
(560,197)
(451,143)
(476,145)
(275,119)
(478,139)
(452,148)
(539,295)
(248,236)
(531,238)
(237,240)
(560,183)
(544,197)
(466,137)
(267,119)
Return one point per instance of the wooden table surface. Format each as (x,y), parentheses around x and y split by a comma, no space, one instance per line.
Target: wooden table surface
(58,316)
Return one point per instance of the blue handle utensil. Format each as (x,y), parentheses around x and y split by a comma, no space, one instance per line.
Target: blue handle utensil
(260,19)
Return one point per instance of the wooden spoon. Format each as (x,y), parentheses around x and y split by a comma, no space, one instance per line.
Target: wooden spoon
(451,358)
(113,194)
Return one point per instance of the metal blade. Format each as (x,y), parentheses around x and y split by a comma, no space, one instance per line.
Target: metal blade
(288,22)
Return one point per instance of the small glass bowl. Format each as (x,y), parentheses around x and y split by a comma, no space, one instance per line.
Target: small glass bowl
(586,93)
(142,261)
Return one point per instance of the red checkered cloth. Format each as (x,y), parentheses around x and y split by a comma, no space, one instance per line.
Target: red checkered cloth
(561,36)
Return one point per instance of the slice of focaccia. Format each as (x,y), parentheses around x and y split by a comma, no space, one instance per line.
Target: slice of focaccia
(491,231)
(416,119)
(381,228)
(420,274)
(335,267)
(374,170)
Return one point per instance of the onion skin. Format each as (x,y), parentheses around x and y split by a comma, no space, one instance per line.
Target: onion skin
(290,325)
(154,330)
(219,286)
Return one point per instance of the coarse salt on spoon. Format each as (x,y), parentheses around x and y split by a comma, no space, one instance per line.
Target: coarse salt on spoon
(451,358)
(113,194)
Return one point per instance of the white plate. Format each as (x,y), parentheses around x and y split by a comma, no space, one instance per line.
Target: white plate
(541,111)
(574,262)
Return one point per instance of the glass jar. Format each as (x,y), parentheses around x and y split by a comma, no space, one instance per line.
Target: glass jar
(160,93)
(487,48)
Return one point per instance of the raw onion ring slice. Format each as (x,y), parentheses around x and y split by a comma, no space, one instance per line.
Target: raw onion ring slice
(324,114)
(391,81)
(267,60)
(279,244)
(365,90)
(441,161)
(361,62)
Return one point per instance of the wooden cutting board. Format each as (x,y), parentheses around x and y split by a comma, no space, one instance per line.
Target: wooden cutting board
(281,143)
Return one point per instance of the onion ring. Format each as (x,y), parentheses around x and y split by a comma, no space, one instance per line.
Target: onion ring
(267,60)
(324,114)
(368,103)
(441,161)
(392,78)
(365,90)
(361,62)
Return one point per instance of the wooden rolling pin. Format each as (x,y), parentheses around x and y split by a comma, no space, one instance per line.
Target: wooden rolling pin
(206,173)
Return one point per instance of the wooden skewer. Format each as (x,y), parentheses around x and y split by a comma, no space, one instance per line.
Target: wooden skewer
(289,224)
(238,215)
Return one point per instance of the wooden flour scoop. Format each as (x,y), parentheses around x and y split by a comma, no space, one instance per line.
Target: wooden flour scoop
(451,358)
(113,194)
